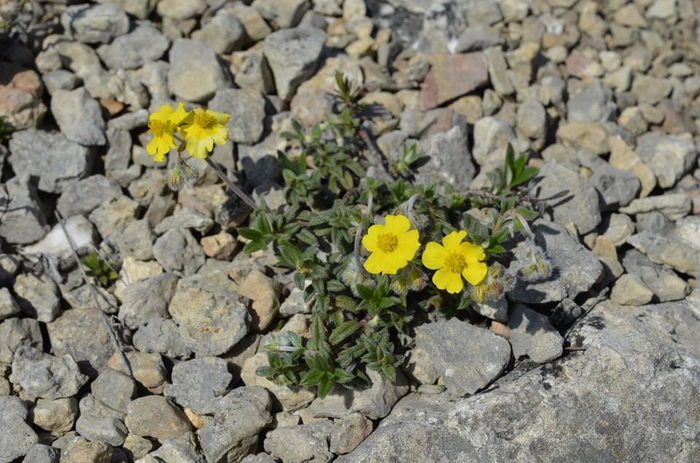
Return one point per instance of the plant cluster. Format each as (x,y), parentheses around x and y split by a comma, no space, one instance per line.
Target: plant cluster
(373,258)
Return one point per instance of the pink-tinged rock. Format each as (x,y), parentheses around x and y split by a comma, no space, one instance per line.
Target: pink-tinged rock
(451,77)
(20,96)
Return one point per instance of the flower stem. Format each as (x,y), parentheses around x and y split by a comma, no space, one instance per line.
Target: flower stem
(231,186)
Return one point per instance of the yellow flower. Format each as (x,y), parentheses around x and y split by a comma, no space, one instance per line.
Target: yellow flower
(391,245)
(453,260)
(202,128)
(162,125)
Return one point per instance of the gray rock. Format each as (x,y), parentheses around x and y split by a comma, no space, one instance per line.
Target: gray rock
(209,313)
(259,458)
(51,157)
(43,375)
(349,432)
(592,103)
(135,119)
(9,267)
(300,444)
(233,433)
(17,437)
(114,389)
(79,117)
(669,157)
(181,9)
(374,402)
(617,187)
(477,38)
(285,14)
(495,310)
(8,305)
(82,335)
(85,195)
(580,203)
(56,416)
(673,205)
(135,240)
(178,252)
(498,71)
(490,134)
(23,221)
(162,336)
(155,416)
(186,218)
(59,80)
(38,297)
(617,228)
(97,429)
(89,405)
(255,73)
(532,334)
(142,45)
(293,55)
(183,448)
(118,154)
(200,384)
(247,110)
(95,24)
(195,72)
(629,289)
(114,214)
(81,450)
(637,350)
(294,304)
(15,333)
(448,159)
(147,299)
(40,453)
(223,34)
(467,357)
(574,269)
(56,244)
(655,222)
(668,251)
(650,90)
(531,119)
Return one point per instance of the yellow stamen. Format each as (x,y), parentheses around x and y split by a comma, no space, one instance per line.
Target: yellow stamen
(455,262)
(203,119)
(156,127)
(387,242)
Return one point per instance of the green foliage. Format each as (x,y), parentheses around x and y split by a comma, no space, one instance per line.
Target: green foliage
(362,322)
(99,269)
(5,130)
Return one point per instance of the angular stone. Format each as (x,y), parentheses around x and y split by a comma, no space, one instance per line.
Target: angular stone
(8,305)
(79,117)
(199,384)
(181,9)
(20,96)
(584,135)
(669,157)
(155,416)
(629,289)
(451,77)
(491,134)
(285,14)
(40,453)
(293,55)
(15,333)
(637,350)
(665,284)
(46,376)
(186,218)
(135,240)
(617,187)
(349,432)
(579,205)
(23,221)
(265,294)
(113,214)
(668,251)
(675,206)
(17,437)
(81,450)
(178,252)
(299,444)
(83,196)
(533,335)
(592,103)
(223,34)
(247,110)
(233,432)
(162,336)
(38,297)
(574,269)
(50,157)
(56,244)
(114,389)
(289,397)
(467,357)
(195,72)
(143,44)
(448,159)
(95,24)
(148,299)
(97,429)
(56,416)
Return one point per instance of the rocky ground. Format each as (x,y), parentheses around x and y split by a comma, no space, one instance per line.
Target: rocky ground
(601,362)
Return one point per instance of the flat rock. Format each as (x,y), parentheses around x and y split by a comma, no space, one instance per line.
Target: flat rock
(564,407)
(233,433)
(135,240)
(98,429)
(16,332)
(673,205)
(574,269)
(46,376)
(146,300)
(114,389)
(83,196)
(38,297)
(81,450)
(668,251)
(448,159)
(186,217)
(95,24)
(143,44)
(51,157)
(17,437)
(199,384)
(629,289)
(669,157)
(79,117)
(247,110)
(195,72)
(467,357)
(177,251)
(162,336)
(299,444)
(155,416)
(8,305)
(451,77)
(293,55)
(533,335)
(24,221)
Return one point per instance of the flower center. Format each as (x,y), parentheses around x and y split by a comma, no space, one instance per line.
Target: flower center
(388,242)
(455,262)
(156,127)
(204,119)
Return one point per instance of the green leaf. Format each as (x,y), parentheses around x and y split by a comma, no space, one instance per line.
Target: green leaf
(342,376)
(325,385)
(265,372)
(343,331)
(526,214)
(335,286)
(527,174)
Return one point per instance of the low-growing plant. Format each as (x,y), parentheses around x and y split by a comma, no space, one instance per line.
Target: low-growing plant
(99,269)
(375,258)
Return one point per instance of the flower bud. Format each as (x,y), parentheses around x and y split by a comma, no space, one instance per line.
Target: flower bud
(532,262)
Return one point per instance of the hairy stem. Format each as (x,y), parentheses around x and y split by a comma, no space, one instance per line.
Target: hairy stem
(232,186)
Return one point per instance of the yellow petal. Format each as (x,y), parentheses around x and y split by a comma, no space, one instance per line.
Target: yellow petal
(408,244)
(220,135)
(472,252)
(373,264)
(475,272)
(221,118)
(450,281)
(178,115)
(397,224)
(376,230)
(452,240)
(369,241)
(434,256)
(393,262)
(198,147)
